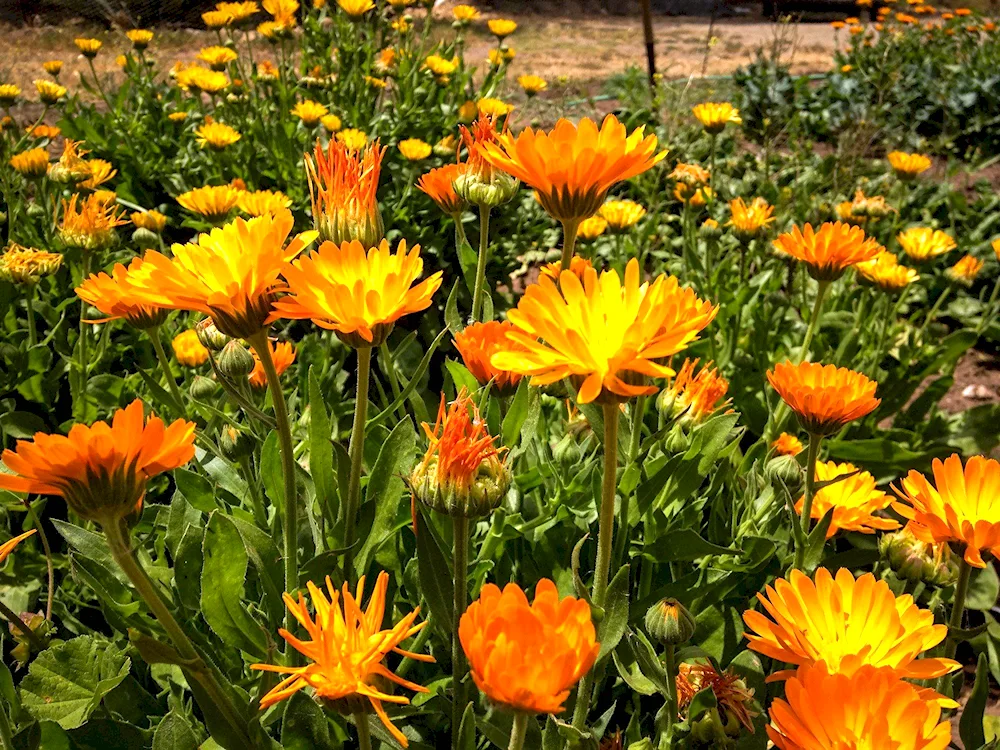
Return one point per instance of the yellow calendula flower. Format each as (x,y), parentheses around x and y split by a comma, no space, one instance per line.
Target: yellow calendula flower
(621,214)
(468,112)
(214,202)
(140,38)
(748,220)
(591,228)
(502,56)
(908,166)
(88,47)
(188,349)
(31,164)
(121,61)
(217,57)
(965,271)
(177,117)
(49,92)
(89,224)
(855,500)
(501,27)
(441,67)
(282,11)
(195,78)
(355,9)
(9,94)
(494,107)
(532,85)
(27,265)
(310,112)
(465,14)
(152,220)
(923,243)
(239,11)
(330,123)
(216,136)
(352,139)
(263,202)
(401,25)
(414,149)
(53,67)
(100,172)
(714,116)
(885,272)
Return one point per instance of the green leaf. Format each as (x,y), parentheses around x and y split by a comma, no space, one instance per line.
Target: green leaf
(196,489)
(613,625)
(467,729)
(703,701)
(434,573)
(517,412)
(970,726)
(305,726)
(67,682)
(174,733)
(984,589)
(461,377)
(684,545)
(816,542)
(452,318)
(320,446)
(271,472)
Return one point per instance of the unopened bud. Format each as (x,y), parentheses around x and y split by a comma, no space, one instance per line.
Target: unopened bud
(235,362)
(234,443)
(489,192)
(669,622)
(211,337)
(202,387)
(146,239)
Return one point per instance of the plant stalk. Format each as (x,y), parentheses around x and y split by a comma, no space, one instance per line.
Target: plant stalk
(812,454)
(49,566)
(164,362)
(570,229)
(484,248)
(518,732)
(460,601)
(947,683)
(357,453)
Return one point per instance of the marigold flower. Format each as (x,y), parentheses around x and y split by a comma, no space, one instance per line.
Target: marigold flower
(532,85)
(216,135)
(270,30)
(230,273)
(621,214)
(965,271)
(695,397)
(787,445)
(217,57)
(352,139)
(241,11)
(441,66)
(714,116)
(355,9)
(854,500)
(824,398)
(604,335)
(49,92)
(101,470)
(495,108)
(577,266)
(71,167)
(591,228)
(342,185)
(961,506)
(113,296)
(924,243)
(88,47)
(9,94)
(45,132)
(216,19)
(465,13)
(195,78)
(749,219)
(501,27)
(526,657)
(477,344)
(100,172)
(695,197)
(263,202)
(214,202)
(358,294)
(310,112)
(691,175)
(885,272)
(282,354)
(872,709)
(177,116)
(846,624)
(468,112)
(830,250)
(53,67)
(572,168)
(140,38)
(32,163)
(908,166)
(414,149)
(152,220)
(346,650)
(27,265)
(7,547)
(89,224)
(330,123)
(731,693)
(188,349)
(282,11)
(439,186)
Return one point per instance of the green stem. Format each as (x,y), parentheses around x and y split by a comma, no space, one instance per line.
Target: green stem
(389,365)
(518,732)
(932,315)
(605,540)
(670,666)
(570,229)
(461,583)
(291,520)
(356,449)
(259,511)
(29,302)
(813,320)
(11,616)
(811,455)
(6,740)
(635,438)
(50,568)
(946,685)
(364,733)
(711,173)
(161,357)
(84,340)
(484,248)
(119,544)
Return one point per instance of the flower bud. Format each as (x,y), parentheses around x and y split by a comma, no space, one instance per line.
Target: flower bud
(211,337)
(914,560)
(235,362)
(710,229)
(669,622)
(202,387)
(36,211)
(3,218)
(146,239)
(784,469)
(711,731)
(489,193)
(69,173)
(234,443)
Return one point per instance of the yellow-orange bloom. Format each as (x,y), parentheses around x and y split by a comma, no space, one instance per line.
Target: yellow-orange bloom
(49,92)
(577,266)
(885,272)
(714,116)
(7,547)
(283,356)
(27,265)
(846,624)
(358,294)
(100,172)
(140,38)
(621,214)
(696,397)
(731,693)
(414,149)
(352,139)
(962,505)
(53,67)
(477,344)
(355,9)
(830,250)
(342,185)
(871,710)
(9,92)
(188,349)
(501,27)
(526,657)
(440,66)
(749,219)
(217,57)
(282,11)
(88,47)
(854,500)
(824,398)
(241,11)
(695,197)
(263,202)
(591,228)
(216,135)
(465,13)
(214,202)
(996,248)
(493,107)
(532,85)
(113,296)
(439,186)
(923,243)
(691,175)
(230,273)
(965,271)
(100,470)
(31,163)
(310,112)
(89,224)
(572,168)
(605,335)
(46,132)
(152,220)
(787,445)
(907,166)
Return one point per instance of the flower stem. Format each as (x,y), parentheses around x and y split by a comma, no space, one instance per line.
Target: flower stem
(50,569)
(356,449)
(813,320)
(119,544)
(364,733)
(947,682)
(570,229)
(605,540)
(670,666)
(518,732)
(29,303)
(18,623)
(460,580)
(389,365)
(484,247)
(161,357)
(932,315)
(84,338)
(812,454)
(635,438)
(259,344)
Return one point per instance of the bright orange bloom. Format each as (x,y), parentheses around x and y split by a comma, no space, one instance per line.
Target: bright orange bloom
(577,266)
(873,710)
(46,132)
(572,168)
(113,296)
(477,344)
(31,163)
(7,547)
(526,657)
(100,470)
(282,354)
(731,693)
(439,186)
(961,506)
(846,624)
(603,334)
(787,445)
(907,166)
(965,271)
(100,172)
(749,219)
(479,181)
(346,650)
(854,500)
(342,185)
(824,398)
(924,243)
(188,349)
(230,273)
(357,294)
(830,250)
(89,224)
(696,397)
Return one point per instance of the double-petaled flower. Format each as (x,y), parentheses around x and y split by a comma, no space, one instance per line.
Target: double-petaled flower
(114,296)
(824,398)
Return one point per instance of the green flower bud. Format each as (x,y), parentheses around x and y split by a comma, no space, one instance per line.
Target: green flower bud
(211,337)
(487,192)
(202,387)
(234,443)
(36,211)
(235,362)
(3,218)
(670,623)
(914,560)
(146,239)
(38,625)
(784,469)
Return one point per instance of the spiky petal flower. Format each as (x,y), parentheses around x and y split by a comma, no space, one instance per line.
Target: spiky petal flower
(479,182)
(749,219)
(731,693)
(824,398)
(439,186)
(113,296)
(345,651)
(965,271)
(604,335)
(89,224)
(830,250)
(100,470)
(342,183)
(696,397)
(526,657)
(27,265)
(855,500)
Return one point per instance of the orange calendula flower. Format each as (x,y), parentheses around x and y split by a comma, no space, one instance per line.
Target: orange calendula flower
(572,167)
(621,214)
(695,397)
(604,335)
(346,651)
(830,250)
(45,132)
(439,186)
(855,500)
(477,344)
(358,294)
(113,296)
(32,163)
(7,547)
(89,224)
(872,709)
(283,356)
(962,505)
(578,267)
(188,349)
(747,220)
(908,166)
(214,202)
(714,116)
(230,273)
(923,243)
(527,656)
(965,271)
(101,470)
(885,272)
(824,398)
(731,693)
(462,473)
(342,184)
(846,624)
(479,182)
(787,445)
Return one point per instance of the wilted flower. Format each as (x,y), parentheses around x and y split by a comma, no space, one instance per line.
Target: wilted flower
(71,167)
(690,175)
(89,224)
(824,398)
(26,265)
(100,172)
(734,698)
